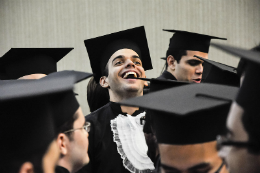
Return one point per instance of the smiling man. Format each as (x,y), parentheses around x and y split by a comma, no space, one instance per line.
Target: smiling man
(116,140)
(181,64)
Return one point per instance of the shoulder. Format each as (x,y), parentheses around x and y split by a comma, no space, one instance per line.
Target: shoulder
(94,116)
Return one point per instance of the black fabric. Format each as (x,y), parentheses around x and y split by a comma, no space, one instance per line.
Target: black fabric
(103,154)
(99,50)
(60,169)
(167,75)
(183,40)
(249,95)
(18,62)
(219,73)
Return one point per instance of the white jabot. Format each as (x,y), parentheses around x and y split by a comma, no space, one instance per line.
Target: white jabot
(131,145)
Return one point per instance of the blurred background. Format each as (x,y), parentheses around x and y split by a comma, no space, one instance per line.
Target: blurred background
(67,23)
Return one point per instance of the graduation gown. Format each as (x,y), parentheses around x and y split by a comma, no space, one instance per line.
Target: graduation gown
(103,154)
(60,169)
(166,75)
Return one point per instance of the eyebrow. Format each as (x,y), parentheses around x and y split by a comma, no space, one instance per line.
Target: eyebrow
(199,166)
(122,56)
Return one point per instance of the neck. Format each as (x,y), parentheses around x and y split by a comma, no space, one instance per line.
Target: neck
(116,97)
(65,163)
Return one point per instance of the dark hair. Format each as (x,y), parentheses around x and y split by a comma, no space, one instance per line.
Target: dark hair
(105,72)
(35,158)
(68,126)
(177,54)
(97,95)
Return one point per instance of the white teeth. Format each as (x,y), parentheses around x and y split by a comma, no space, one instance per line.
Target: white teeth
(128,73)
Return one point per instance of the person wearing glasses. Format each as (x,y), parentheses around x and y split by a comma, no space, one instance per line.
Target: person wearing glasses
(186,124)
(240,146)
(181,65)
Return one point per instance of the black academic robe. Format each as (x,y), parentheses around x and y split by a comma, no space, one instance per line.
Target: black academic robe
(167,75)
(103,154)
(60,169)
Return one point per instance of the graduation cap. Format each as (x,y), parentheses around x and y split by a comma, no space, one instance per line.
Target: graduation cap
(65,104)
(183,40)
(18,62)
(27,116)
(249,94)
(189,114)
(219,73)
(100,49)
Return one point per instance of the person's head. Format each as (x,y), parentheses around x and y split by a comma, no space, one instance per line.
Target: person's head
(73,142)
(199,158)
(179,56)
(187,122)
(184,66)
(235,144)
(121,65)
(95,91)
(118,56)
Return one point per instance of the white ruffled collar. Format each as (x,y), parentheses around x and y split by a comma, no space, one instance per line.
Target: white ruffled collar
(131,145)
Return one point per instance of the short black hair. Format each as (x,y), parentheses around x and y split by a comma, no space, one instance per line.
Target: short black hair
(68,126)
(177,54)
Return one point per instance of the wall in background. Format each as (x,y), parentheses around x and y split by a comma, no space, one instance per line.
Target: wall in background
(67,23)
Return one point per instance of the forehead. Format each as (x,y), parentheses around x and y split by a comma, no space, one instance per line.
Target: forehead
(185,156)
(234,123)
(128,53)
(191,53)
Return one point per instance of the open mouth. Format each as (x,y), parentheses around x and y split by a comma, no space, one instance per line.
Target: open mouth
(130,75)
(197,80)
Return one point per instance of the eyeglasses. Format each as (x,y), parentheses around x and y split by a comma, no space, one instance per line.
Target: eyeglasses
(86,127)
(224,141)
(221,166)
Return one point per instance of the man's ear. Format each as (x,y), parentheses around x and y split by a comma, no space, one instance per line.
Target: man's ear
(103,81)
(170,62)
(62,141)
(27,167)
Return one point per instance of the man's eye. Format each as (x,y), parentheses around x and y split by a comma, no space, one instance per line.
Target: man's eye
(138,63)
(194,62)
(118,62)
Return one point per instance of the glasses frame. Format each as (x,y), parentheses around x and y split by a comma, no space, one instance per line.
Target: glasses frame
(223,141)
(86,127)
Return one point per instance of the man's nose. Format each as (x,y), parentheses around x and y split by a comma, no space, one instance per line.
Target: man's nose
(130,63)
(199,69)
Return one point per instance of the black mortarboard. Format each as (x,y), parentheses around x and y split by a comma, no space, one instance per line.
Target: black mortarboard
(189,114)
(219,73)
(18,62)
(65,104)
(249,94)
(183,40)
(27,115)
(100,49)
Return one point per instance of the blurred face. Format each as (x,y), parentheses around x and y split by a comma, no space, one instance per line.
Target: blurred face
(78,147)
(50,158)
(122,65)
(195,158)
(238,159)
(190,68)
